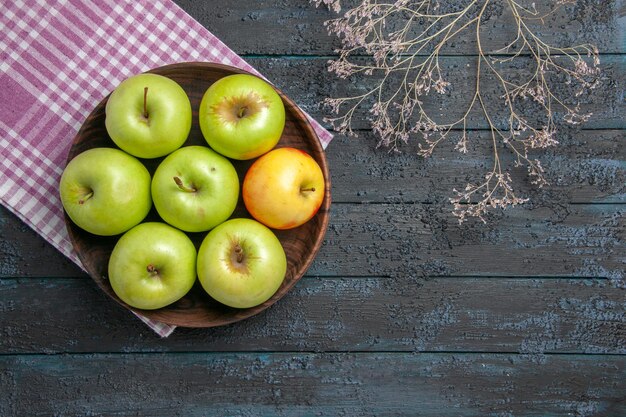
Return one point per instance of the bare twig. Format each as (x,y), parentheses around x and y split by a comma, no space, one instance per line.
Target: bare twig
(407,60)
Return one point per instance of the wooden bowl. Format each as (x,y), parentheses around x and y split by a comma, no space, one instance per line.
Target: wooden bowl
(301,244)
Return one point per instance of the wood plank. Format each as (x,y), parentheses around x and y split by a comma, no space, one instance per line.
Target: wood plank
(587,166)
(533,317)
(287,27)
(349,339)
(307,82)
(401,240)
(309,384)
(407,240)
(24,253)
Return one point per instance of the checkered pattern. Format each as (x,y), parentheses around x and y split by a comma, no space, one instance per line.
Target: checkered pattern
(58,60)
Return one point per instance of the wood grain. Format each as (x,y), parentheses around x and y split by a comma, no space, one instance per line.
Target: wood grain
(296,27)
(524,316)
(391,239)
(311,384)
(402,240)
(301,244)
(589,167)
(307,82)
(530,316)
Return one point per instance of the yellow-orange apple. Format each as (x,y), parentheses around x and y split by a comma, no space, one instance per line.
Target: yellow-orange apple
(284,188)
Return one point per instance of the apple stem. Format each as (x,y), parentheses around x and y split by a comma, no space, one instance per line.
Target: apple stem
(86,197)
(239,253)
(152,270)
(145,102)
(311,189)
(183,187)
(242,111)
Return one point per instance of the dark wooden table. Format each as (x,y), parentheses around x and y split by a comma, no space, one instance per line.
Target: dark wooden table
(404,311)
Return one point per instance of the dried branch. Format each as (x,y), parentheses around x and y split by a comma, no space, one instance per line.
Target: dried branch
(405,40)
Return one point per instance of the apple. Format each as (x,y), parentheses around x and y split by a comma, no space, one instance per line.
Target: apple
(152,265)
(241,263)
(148,115)
(194,189)
(241,116)
(105,191)
(284,188)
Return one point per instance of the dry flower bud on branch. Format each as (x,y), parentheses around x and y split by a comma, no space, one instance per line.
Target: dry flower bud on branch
(404,40)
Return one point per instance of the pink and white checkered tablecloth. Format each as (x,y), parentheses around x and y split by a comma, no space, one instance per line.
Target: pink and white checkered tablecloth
(61,58)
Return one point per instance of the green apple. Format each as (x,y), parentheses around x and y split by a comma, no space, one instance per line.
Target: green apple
(152,265)
(105,191)
(195,189)
(148,115)
(284,188)
(241,263)
(241,116)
